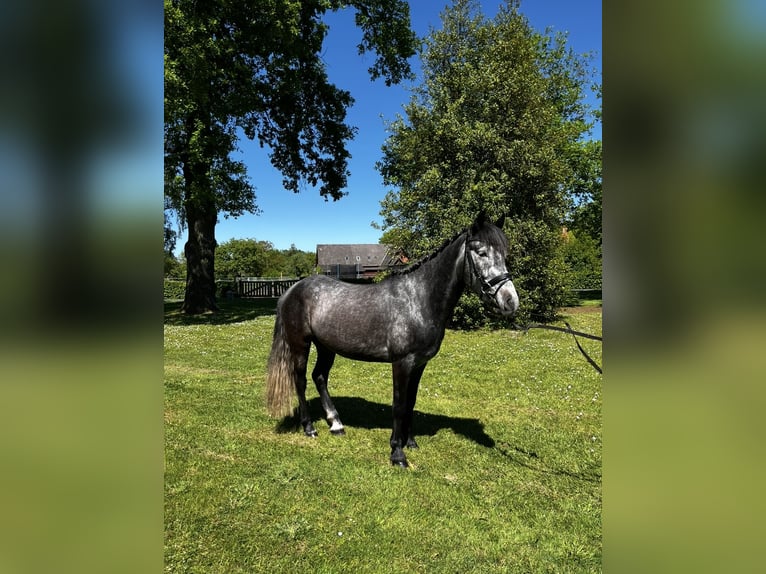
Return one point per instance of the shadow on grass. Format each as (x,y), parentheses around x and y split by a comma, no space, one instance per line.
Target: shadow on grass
(231,311)
(525,458)
(356,412)
(361,413)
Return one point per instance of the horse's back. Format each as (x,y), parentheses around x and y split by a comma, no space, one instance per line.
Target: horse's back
(347,318)
(321,291)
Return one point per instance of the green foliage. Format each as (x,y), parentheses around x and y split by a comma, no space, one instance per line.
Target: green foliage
(295,263)
(507,478)
(469,313)
(242,257)
(173,267)
(495,126)
(174,289)
(586,213)
(582,248)
(583,258)
(537,260)
(253,258)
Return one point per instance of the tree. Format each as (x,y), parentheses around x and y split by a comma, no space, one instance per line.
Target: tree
(242,257)
(299,263)
(254,68)
(495,126)
(253,258)
(585,215)
(583,258)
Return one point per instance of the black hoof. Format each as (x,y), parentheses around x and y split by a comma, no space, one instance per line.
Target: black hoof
(339,432)
(400,463)
(412,444)
(311,433)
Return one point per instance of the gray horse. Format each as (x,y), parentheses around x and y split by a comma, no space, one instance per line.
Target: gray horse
(400,320)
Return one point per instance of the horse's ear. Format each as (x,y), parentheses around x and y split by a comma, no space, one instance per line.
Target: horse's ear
(478,223)
(481,219)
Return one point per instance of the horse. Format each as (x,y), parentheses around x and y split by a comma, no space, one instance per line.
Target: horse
(400,320)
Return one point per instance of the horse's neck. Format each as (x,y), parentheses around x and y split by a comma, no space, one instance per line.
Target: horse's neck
(443,278)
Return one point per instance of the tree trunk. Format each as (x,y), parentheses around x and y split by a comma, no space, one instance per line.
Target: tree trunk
(201,217)
(200,260)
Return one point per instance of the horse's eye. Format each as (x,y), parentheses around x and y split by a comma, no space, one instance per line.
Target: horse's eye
(482,252)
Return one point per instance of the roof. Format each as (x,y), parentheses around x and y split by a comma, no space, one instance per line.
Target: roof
(366,254)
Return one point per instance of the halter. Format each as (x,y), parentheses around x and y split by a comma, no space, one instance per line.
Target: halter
(489,287)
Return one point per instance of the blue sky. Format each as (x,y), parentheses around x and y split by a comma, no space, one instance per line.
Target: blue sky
(305,219)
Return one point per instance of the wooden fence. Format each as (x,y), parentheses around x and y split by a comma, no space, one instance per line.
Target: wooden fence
(263,288)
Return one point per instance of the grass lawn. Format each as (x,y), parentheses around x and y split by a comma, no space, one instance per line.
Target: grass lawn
(507,477)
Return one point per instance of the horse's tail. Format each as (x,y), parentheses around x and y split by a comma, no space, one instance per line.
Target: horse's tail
(280,381)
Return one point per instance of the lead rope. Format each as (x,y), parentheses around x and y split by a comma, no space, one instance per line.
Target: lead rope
(486,287)
(526,328)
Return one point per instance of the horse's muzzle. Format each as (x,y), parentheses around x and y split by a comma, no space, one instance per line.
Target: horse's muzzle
(507,300)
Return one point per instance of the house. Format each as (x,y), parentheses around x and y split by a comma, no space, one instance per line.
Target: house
(356,261)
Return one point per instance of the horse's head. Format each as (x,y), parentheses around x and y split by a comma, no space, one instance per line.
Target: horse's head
(486,249)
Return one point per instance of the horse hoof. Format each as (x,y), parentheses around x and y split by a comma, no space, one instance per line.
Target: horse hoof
(338,432)
(400,463)
(311,433)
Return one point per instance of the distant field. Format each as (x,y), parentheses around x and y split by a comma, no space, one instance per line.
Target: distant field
(507,477)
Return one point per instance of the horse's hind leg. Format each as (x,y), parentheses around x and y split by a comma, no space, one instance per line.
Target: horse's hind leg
(320,374)
(301,364)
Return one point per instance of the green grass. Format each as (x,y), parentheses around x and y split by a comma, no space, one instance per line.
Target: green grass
(507,477)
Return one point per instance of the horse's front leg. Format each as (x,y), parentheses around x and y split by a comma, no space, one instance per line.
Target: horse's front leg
(404,374)
(408,434)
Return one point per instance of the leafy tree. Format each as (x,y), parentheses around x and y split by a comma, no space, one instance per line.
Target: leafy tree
(174,269)
(585,216)
(242,257)
(253,258)
(495,126)
(254,67)
(299,263)
(582,248)
(583,258)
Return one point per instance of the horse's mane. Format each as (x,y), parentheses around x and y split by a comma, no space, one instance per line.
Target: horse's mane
(417,264)
(486,233)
